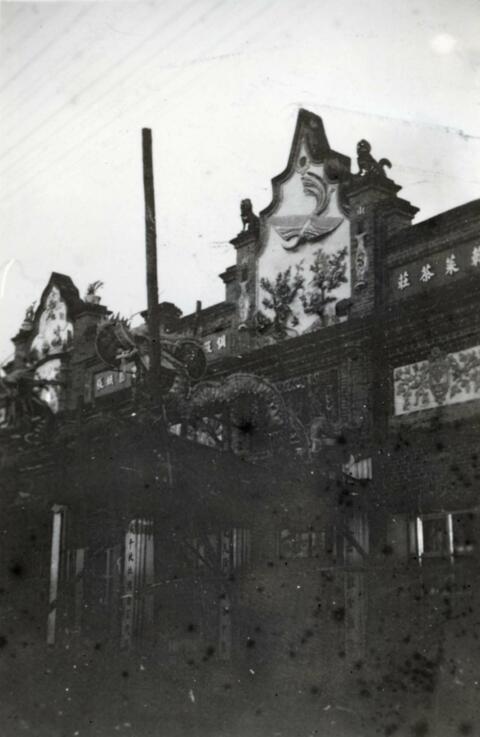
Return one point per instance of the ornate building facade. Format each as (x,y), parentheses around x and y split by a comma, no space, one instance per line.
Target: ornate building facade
(297,518)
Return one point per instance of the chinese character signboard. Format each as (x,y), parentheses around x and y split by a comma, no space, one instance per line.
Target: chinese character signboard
(112,380)
(436,269)
(138,576)
(215,345)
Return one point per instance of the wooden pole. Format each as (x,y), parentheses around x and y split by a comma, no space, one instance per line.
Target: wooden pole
(151,257)
(154,374)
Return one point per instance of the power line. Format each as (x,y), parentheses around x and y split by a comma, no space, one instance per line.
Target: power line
(20,39)
(35,88)
(118,62)
(198,20)
(6,25)
(174,17)
(103,95)
(107,123)
(45,48)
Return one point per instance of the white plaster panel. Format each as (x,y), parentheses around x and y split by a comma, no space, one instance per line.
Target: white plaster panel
(276,254)
(55,332)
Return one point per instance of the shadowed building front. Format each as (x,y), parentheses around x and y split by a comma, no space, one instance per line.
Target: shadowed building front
(288,532)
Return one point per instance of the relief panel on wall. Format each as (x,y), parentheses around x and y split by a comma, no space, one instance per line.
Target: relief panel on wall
(442,379)
(55,331)
(303,267)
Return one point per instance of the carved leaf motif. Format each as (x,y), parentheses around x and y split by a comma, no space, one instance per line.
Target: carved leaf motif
(316,187)
(439,375)
(412,384)
(329,272)
(281,294)
(465,372)
(445,379)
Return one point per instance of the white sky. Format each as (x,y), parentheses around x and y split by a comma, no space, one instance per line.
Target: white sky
(220,83)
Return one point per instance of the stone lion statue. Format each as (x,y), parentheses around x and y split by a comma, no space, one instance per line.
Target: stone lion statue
(367,165)
(249,219)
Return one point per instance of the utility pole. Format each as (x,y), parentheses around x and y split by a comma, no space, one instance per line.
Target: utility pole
(152,278)
(153,318)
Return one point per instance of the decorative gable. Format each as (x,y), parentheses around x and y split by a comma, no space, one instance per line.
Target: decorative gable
(45,336)
(303,261)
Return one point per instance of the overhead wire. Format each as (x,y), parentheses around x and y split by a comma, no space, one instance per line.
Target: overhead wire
(114,66)
(37,88)
(46,47)
(114,87)
(133,104)
(11,19)
(91,105)
(189,81)
(23,159)
(37,25)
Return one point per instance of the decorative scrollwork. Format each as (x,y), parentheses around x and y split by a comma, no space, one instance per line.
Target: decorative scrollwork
(117,344)
(442,379)
(249,401)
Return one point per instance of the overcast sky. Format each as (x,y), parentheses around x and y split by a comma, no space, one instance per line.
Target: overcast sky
(220,83)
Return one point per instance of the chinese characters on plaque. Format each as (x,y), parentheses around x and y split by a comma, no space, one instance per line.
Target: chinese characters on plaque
(215,344)
(447,265)
(112,380)
(138,578)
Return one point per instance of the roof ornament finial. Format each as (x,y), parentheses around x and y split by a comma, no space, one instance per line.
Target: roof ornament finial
(91,293)
(249,219)
(367,165)
(27,323)
(315,138)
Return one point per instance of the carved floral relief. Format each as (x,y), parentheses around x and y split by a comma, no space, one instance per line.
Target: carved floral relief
(243,305)
(55,332)
(305,235)
(279,296)
(286,295)
(328,274)
(48,383)
(361,261)
(443,379)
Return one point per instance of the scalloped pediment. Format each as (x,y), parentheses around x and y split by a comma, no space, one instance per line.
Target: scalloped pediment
(306,227)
